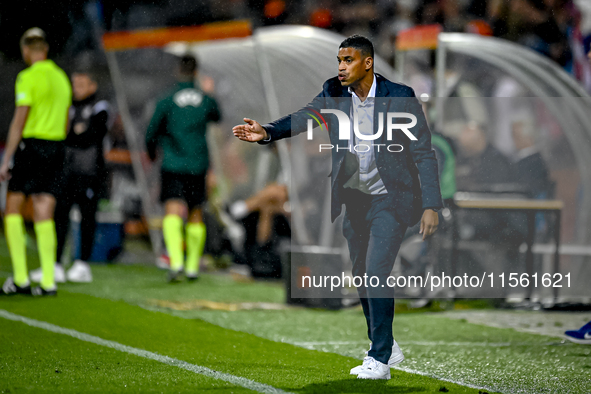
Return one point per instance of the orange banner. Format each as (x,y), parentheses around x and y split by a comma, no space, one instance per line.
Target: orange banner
(420,37)
(119,41)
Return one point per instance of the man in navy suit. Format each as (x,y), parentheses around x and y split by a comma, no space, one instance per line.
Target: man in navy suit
(377,180)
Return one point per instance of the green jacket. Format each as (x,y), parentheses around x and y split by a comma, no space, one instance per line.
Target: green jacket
(179,125)
(447,166)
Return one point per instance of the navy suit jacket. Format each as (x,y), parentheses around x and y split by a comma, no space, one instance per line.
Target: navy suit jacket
(410,176)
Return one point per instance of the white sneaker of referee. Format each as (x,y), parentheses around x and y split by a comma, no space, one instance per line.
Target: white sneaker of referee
(79,272)
(396,358)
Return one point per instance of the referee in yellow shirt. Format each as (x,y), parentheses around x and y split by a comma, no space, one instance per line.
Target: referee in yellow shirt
(35,139)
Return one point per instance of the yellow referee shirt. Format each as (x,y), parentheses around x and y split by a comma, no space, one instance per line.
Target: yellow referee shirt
(45,88)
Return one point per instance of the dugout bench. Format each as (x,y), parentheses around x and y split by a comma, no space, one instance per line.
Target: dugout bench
(528,206)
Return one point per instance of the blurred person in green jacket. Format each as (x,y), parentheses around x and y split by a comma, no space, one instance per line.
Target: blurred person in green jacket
(446,159)
(178,127)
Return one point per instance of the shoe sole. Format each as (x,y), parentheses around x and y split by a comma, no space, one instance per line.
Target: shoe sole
(391,364)
(47,294)
(2,293)
(176,278)
(387,377)
(579,341)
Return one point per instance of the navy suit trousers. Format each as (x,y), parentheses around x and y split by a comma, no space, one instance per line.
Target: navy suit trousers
(374,236)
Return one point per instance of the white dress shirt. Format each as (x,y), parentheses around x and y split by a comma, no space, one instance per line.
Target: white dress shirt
(367,179)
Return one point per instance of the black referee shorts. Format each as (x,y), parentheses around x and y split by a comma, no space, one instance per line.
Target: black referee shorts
(187,187)
(38,167)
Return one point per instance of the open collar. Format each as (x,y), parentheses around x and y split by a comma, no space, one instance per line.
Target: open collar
(372,90)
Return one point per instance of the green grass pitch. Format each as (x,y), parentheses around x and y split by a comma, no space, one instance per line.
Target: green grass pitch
(293,350)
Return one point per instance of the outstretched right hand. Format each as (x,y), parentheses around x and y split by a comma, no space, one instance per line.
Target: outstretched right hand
(252,131)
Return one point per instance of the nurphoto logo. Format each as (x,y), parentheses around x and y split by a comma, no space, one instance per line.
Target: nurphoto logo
(345,130)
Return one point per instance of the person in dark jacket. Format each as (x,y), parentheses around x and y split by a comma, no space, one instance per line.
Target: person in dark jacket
(531,171)
(480,166)
(83,173)
(384,190)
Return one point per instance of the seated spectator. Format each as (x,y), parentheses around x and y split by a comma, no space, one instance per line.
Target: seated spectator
(266,228)
(530,169)
(480,165)
(483,168)
(530,172)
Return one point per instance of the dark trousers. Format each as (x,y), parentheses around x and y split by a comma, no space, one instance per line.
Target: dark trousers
(83,191)
(374,237)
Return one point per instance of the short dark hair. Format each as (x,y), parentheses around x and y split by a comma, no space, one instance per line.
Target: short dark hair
(188,65)
(362,44)
(89,73)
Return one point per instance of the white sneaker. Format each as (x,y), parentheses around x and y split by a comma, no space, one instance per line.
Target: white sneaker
(375,370)
(59,275)
(79,272)
(396,358)
(356,370)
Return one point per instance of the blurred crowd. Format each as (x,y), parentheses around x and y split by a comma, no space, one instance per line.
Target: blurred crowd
(552,27)
(559,29)
(555,28)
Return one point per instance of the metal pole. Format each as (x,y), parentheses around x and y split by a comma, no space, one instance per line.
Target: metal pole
(326,231)
(212,131)
(399,58)
(131,135)
(440,67)
(529,254)
(301,234)
(455,240)
(557,221)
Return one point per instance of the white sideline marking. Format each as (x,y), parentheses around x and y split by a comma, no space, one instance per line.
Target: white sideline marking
(429,375)
(237,380)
